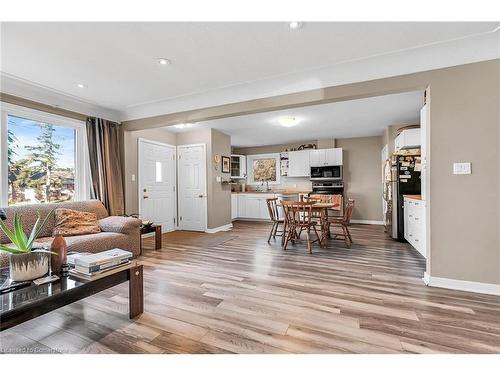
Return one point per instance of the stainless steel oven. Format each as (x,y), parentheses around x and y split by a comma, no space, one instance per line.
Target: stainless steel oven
(328,187)
(328,173)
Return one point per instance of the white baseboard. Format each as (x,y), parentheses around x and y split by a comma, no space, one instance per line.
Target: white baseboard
(372,222)
(222,228)
(467,286)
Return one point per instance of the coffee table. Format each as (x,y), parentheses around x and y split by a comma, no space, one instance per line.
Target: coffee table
(31,301)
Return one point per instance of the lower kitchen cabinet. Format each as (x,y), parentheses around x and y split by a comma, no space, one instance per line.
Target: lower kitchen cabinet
(234,206)
(251,206)
(415,224)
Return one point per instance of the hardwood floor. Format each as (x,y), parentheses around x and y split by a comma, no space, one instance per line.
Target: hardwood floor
(231,292)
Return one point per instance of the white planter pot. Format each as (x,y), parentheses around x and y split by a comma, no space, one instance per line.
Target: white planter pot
(28,266)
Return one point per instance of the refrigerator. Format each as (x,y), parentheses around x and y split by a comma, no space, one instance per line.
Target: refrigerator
(405,179)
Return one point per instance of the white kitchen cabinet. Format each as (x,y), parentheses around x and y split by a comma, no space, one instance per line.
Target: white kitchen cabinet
(234,206)
(407,139)
(238,166)
(253,206)
(326,157)
(415,229)
(298,164)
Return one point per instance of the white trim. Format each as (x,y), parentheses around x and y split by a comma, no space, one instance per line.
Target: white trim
(222,228)
(205,193)
(371,222)
(464,285)
(82,168)
(30,90)
(139,187)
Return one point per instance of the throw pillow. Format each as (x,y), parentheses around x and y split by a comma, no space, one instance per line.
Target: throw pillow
(75,223)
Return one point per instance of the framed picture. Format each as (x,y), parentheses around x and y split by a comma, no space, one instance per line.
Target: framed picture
(226,164)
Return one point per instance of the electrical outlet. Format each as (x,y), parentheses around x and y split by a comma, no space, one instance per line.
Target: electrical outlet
(461,168)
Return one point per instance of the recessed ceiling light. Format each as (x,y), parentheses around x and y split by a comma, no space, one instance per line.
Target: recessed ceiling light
(288,121)
(163,61)
(80,85)
(182,126)
(295,25)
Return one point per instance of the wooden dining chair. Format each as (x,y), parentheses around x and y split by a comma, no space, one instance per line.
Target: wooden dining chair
(298,218)
(343,223)
(272,207)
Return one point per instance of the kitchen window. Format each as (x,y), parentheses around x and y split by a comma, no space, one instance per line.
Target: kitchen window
(43,157)
(264,168)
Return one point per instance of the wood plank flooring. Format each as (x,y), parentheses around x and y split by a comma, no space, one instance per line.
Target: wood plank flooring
(231,292)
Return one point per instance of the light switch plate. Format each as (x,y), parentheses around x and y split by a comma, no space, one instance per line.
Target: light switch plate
(133,177)
(461,168)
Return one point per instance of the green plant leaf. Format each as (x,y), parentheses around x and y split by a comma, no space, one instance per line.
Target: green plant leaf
(20,235)
(10,250)
(32,237)
(8,233)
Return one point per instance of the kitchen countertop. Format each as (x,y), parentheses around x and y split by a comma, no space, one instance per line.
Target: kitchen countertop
(413,196)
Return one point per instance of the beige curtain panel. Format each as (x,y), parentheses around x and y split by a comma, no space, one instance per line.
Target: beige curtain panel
(106,164)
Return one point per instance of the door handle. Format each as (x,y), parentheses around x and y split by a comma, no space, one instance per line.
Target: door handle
(145,196)
(200,196)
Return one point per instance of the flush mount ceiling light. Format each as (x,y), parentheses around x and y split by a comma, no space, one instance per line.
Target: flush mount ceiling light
(294,25)
(163,61)
(182,126)
(80,85)
(288,121)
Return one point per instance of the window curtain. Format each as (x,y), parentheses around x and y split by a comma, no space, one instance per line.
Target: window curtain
(104,142)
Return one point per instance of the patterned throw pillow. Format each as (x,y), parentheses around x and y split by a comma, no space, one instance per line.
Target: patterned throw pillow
(75,223)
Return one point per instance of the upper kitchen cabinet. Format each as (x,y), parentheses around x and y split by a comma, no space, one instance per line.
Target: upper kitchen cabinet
(326,157)
(238,166)
(407,139)
(298,164)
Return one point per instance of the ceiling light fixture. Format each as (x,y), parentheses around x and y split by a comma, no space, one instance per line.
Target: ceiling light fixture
(80,85)
(182,126)
(163,61)
(294,25)
(288,121)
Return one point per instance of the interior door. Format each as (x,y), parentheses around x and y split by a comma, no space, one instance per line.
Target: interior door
(157,180)
(192,194)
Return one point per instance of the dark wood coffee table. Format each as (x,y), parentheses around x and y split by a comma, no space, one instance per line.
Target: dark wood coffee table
(34,300)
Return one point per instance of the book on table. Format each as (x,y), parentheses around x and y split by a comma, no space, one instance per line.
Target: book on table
(98,263)
(94,276)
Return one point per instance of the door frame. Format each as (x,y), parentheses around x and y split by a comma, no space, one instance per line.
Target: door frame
(139,187)
(205,193)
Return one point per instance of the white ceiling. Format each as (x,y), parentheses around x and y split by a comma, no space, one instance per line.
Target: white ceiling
(117,60)
(354,118)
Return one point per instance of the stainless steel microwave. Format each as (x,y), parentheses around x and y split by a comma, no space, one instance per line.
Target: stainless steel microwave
(328,173)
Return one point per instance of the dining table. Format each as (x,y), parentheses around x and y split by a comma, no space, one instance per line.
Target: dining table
(321,209)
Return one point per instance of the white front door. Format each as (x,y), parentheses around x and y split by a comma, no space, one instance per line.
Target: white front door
(192,195)
(157,180)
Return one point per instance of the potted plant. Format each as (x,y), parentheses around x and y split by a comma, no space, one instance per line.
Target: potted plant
(26,261)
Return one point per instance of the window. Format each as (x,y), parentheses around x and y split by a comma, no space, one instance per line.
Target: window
(43,158)
(263,168)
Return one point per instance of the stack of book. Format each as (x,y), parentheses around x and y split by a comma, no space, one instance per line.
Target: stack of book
(90,266)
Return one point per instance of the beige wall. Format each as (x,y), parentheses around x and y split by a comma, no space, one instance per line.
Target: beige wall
(464,104)
(218,196)
(219,204)
(362,177)
(130,141)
